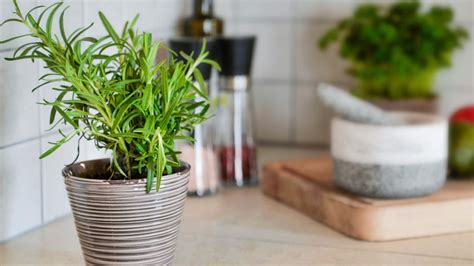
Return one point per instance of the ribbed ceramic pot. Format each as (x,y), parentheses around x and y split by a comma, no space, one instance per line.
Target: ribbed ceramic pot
(399,161)
(117,222)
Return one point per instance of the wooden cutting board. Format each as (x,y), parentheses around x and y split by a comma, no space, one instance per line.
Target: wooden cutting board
(306,185)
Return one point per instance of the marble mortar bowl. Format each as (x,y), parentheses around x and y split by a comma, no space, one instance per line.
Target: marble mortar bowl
(391,162)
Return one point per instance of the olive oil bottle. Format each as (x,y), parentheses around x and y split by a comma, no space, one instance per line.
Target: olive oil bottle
(203,23)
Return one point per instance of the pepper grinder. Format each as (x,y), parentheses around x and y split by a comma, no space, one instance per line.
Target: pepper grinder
(204,174)
(235,128)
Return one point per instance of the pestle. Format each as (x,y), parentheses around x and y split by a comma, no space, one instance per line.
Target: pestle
(354,109)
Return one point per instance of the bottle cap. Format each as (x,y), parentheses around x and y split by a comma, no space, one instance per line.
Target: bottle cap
(190,45)
(236,54)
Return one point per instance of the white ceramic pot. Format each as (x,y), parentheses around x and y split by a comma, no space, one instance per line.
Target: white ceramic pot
(400,161)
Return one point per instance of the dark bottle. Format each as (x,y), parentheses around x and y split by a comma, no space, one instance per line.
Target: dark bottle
(203,23)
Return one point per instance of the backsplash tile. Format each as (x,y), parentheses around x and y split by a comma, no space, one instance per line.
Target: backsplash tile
(148,11)
(19,112)
(274,99)
(92,152)
(156,14)
(323,10)
(313,64)
(222,8)
(46,93)
(12,29)
(312,118)
(452,99)
(170,13)
(112,9)
(55,201)
(74,15)
(20,189)
(273,53)
(263,9)
(460,73)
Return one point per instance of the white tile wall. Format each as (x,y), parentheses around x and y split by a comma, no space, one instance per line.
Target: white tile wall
(461,74)
(222,8)
(7,30)
(170,13)
(114,10)
(19,112)
(46,93)
(314,65)
(273,53)
(94,153)
(20,190)
(323,10)
(55,202)
(74,15)
(452,99)
(273,9)
(274,97)
(147,11)
(312,118)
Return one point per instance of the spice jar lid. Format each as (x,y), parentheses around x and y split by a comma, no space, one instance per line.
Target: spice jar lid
(236,54)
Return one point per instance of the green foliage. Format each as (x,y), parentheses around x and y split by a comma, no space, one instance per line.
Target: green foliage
(112,91)
(395,52)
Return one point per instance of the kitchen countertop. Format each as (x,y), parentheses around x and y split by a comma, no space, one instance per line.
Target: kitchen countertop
(242,226)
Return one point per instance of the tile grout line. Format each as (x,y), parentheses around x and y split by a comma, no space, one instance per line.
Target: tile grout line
(7,50)
(40,144)
(293,83)
(40,147)
(23,141)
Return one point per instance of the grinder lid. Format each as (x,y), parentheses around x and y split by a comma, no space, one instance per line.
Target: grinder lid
(236,54)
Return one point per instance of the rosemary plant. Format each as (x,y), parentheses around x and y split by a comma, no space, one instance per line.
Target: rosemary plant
(111,90)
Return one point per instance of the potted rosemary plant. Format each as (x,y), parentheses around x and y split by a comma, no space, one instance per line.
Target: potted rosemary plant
(396,52)
(127,209)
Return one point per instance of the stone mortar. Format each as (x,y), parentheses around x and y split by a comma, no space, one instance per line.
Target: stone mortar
(397,161)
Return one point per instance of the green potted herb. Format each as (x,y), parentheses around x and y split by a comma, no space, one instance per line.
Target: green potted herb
(395,52)
(111,91)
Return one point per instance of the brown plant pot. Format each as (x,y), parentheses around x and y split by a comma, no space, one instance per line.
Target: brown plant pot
(429,106)
(117,222)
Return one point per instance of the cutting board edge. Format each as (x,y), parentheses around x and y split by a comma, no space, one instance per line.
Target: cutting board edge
(370,216)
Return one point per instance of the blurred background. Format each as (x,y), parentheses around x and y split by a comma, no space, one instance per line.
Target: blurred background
(288,65)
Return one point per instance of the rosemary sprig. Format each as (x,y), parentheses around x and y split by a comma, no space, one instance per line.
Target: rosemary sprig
(112,91)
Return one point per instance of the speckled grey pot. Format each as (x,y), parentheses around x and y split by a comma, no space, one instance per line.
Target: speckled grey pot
(117,222)
(399,161)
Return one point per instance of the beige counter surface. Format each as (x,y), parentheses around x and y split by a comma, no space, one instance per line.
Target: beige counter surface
(242,226)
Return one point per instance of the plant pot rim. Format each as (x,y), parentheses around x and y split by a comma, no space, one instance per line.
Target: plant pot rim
(101,165)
